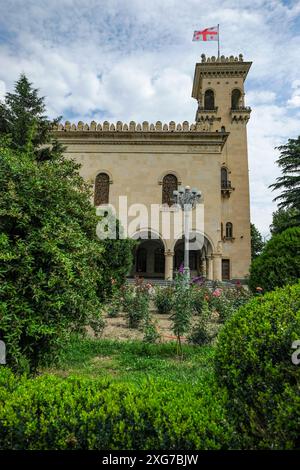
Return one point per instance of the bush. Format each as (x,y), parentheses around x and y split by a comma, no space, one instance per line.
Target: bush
(49,413)
(136,300)
(163,299)
(279,262)
(200,334)
(198,297)
(53,269)
(253,361)
(182,310)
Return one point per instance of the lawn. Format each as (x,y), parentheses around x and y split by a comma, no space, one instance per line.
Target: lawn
(134,361)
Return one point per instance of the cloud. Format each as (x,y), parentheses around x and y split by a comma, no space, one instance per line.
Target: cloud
(294,101)
(2,89)
(134,60)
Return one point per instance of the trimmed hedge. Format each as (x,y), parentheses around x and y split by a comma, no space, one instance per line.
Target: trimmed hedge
(74,413)
(279,262)
(253,361)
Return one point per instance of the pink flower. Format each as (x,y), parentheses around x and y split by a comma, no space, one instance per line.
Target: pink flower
(217,293)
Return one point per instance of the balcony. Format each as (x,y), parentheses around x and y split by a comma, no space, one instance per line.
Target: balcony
(241,114)
(226,188)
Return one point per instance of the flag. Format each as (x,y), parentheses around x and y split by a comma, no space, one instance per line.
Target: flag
(208,34)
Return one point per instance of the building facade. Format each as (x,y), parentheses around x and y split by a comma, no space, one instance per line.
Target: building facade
(144,163)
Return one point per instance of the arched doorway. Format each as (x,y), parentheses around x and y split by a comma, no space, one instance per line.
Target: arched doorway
(149,257)
(199,255)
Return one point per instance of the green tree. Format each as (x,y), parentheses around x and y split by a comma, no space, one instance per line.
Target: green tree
(289,182)
(283,219)
(257,242)
(22,117)
(54,271)
(279,262)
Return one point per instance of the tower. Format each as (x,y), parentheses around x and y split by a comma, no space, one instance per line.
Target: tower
(219,90)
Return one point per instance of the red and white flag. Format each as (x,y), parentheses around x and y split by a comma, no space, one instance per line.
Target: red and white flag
(208,34)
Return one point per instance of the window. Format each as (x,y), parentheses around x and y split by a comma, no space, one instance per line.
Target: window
(229,230)
(222,231)
(141,260)
(101,189)
(209,100)
(169,185)
(224,177)
(235,99)
(225,269)
(159,260)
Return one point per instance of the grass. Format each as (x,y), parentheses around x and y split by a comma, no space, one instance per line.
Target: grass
(134,361)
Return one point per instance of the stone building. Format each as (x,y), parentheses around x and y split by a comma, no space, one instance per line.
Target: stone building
(146,162)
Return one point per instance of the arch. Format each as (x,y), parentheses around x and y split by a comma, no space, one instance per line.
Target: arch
(147,234)
(149,255)
(101,191)
(203,241)
(236,95)
(169,184)
(209,99)
(229,230)
(170,172)
(200,248)
(224,177)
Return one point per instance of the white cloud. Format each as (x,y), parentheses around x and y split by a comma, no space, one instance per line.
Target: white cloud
(2,89)
(106,59)
(294,101)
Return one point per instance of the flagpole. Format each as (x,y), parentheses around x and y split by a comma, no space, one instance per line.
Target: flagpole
(218,41)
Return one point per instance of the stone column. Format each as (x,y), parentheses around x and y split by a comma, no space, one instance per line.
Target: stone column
(209,269)
(169,255)
(217,267)
(203,265)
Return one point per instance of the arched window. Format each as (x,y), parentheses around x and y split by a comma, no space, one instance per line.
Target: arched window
(229,230)
(159,260)
(209,100)
(224,177)
(235,99)
(169,184)
(101,189)
(141,260)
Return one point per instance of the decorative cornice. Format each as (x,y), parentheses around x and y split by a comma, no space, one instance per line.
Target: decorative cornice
(240,114)
(185,137)
(145,127)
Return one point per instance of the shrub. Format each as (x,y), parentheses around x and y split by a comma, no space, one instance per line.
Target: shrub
(163,299)
(279,262)
(136,301)
(151,333)
(200,334)
(114,305)
(253,361)
(198,297)
(50,413)
(182,310)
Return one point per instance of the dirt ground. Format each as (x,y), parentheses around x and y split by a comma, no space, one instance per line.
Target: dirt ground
(117,328)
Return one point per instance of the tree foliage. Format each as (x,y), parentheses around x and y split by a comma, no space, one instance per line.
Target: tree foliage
(257,242)
(279,262)
(54,271)
(22,117)
(254,362)
(289,182)
(283,219)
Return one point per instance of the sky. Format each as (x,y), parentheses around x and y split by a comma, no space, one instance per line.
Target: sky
(134,60)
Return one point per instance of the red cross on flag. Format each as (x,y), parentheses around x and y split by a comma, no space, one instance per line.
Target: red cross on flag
(208,34)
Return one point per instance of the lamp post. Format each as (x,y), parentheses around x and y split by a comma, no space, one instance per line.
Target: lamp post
(187,199)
